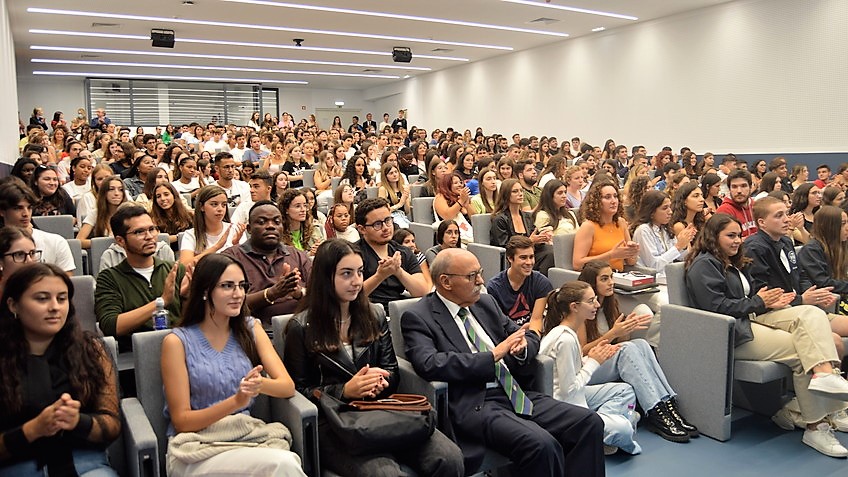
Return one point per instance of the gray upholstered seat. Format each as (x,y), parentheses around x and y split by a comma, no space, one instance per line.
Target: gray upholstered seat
(491,257)
(564,251)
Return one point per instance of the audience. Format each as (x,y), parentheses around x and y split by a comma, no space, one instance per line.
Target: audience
(214,364)
(59,392)
(767,328)
(125,295)
(277,273)
(460,336)
(340,344)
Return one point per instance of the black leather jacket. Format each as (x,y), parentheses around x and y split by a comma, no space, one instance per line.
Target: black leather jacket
(329,372)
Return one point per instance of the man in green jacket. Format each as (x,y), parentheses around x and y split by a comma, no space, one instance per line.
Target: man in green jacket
(125,296)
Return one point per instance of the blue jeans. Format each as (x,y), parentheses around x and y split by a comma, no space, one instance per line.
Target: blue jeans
(610,401)
(636,365)
(89,463)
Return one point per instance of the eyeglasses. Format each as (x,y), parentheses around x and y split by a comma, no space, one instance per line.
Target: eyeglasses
(229,287)
(20,256)
(593,301)
(471,277)
(139,233)
(378,225)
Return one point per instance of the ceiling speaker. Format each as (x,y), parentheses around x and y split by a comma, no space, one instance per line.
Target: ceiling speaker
(401,54)
(162,38)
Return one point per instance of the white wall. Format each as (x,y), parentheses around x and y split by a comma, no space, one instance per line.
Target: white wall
(8,91)
(746,76)
(52,94)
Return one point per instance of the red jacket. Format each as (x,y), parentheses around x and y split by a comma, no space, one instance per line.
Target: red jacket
(743,214)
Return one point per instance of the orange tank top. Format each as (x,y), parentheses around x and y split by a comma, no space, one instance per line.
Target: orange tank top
(606,238)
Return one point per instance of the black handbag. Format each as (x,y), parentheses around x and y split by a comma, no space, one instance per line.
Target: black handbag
(373,429)
(400,422)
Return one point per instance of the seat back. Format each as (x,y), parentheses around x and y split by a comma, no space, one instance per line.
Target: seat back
(309,178)
(416,190)
(558,276)
(335,182)
(371,192)
(412,178)
(77,252)
(279,323)
(675,275)
(564,251)
(99,245)
(422,210)
(482,226)
(56,224)
(84,302)
(425,236)
(396,310)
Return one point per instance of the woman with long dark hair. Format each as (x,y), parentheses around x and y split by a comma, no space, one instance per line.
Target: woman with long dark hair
(216,361)
(339,344)
(635,362)
(711,190)
(806,199)
(96,223)
(212,231)
(58,393)
(487,186)
(508,219)
(135,176)
(553,211)
(447,236)
(767,328)
(658,245)
(687,208)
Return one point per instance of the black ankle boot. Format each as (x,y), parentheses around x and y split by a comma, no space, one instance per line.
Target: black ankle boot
(671,405)
(660,421)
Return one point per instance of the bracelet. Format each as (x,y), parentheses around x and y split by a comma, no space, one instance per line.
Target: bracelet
(265,294)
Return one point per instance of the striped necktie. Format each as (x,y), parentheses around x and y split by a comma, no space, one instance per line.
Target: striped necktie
(520,402)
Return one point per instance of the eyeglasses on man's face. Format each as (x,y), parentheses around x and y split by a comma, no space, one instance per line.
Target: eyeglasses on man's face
(472,277)
(378,225)
(139,233)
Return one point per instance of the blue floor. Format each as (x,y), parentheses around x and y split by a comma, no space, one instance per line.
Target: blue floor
(757,448)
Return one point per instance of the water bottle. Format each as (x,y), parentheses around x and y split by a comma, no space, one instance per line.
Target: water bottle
(632,416)
(160,316)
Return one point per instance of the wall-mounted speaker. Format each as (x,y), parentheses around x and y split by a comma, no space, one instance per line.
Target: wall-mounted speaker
(162,38)
(401,54)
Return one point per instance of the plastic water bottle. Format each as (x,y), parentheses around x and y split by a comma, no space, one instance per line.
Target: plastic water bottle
(160,316)
(632,416)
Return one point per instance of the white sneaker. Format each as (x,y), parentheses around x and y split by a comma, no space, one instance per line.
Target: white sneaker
(783,419)
(822,439)
(839,420)
(831,385)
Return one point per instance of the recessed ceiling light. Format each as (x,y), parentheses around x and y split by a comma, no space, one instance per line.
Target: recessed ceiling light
(186,21)
(397,16)
(222,57)
(246,44)
(168,77)
(598,29)
(572,9)
(201,67)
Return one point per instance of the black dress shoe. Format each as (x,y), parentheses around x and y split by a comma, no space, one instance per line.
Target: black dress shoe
(661,422)
(671,405)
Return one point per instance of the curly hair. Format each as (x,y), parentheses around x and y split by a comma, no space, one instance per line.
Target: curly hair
(305,227)
(81,351)
(707,242)
(590,209)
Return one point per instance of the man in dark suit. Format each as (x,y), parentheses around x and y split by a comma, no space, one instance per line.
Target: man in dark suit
(459,336)
(369,125)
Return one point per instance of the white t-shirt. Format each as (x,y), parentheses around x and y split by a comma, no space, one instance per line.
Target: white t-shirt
(189,241)
(238,192)
(76,191)
(54,249)
(184,188)
(86,203)
(237,154)
(216,147)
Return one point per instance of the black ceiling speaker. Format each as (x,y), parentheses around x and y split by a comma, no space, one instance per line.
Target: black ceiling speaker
(401,54)
(162,38)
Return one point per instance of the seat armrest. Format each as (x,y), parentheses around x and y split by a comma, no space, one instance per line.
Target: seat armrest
(142,448)
(300,416)
(435,391)
(543,374)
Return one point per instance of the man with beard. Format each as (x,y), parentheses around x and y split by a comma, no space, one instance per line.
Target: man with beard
(125,296)
(277,273)
(739,202)
(406,162)
(237,191)
(527,178)
(390,268)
